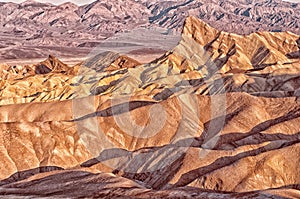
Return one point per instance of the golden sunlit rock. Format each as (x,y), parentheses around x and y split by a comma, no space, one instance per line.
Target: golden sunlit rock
(218,116)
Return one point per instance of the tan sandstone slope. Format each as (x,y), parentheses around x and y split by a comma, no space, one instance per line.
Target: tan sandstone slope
(215,117)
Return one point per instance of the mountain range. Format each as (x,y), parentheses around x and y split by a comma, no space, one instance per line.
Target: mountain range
(33,30)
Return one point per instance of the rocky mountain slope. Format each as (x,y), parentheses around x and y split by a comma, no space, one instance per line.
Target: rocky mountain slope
(240,16)
(32,29)
(215,117)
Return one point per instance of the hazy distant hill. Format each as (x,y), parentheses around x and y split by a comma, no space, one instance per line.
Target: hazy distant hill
(28,25)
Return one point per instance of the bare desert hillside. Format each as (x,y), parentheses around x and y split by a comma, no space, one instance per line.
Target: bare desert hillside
(215,117)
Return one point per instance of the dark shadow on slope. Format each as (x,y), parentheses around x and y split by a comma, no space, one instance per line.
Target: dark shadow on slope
(291,186)
(164,12)
(208,47)
(259,57)
(137,165)
(295,54)
(116,110)
(217,64)
(158,179)
(190,176)
(82,184)
(42,69)
(277,86)
(22,175)
(232,138)
(73,184)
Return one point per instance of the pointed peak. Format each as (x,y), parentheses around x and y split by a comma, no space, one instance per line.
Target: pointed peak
(193,23)
(68,4)
(193,19)
(54,62)
(198,30)
(51,56)
(51,64)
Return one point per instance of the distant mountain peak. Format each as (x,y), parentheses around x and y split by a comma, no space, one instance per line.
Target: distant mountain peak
(29,2)
(68,5)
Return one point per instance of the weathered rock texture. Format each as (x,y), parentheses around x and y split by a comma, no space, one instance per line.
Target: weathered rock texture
(216,117)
